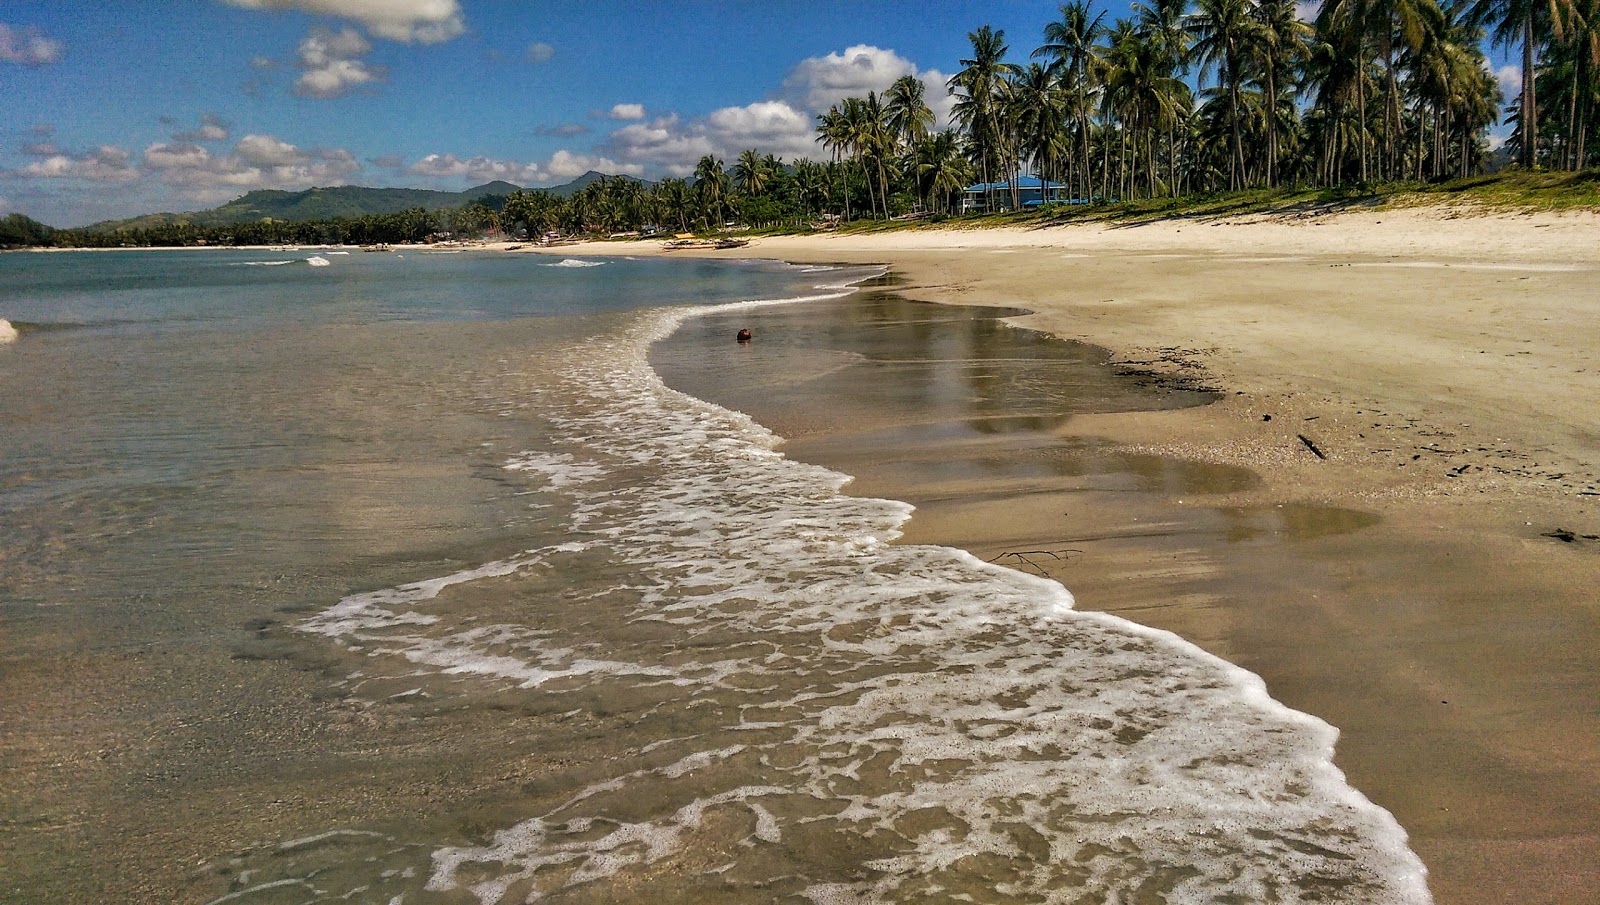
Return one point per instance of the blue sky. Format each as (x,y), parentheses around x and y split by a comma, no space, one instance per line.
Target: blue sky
(121,107)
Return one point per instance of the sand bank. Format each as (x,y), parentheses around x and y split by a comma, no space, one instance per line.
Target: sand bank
(1416,390)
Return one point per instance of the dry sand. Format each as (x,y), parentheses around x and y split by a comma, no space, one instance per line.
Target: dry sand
(1447,364)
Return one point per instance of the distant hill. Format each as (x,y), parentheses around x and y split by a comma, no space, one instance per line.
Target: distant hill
(338,201)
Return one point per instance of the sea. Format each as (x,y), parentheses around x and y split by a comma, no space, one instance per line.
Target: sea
(405,577)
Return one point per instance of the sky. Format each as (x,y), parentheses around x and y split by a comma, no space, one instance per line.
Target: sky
(116,108)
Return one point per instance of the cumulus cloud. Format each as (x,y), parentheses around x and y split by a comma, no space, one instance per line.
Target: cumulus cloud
(256,161)
(816,83)
(784,125)
(476,169)
(1510,78)
(27,46)
(211,128)
(562,166)
(389,161)
(106,163)
(539,52)
(40,149)
(332,65)
(407,21)
(626,111)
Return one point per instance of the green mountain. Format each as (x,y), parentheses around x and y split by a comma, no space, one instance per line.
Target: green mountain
(339,201)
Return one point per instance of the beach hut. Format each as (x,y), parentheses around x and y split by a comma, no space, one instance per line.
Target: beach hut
(1032,191)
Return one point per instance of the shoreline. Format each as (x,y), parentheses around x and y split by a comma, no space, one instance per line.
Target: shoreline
(1446,624)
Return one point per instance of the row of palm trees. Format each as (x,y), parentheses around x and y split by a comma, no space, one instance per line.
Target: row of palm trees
(1181,96)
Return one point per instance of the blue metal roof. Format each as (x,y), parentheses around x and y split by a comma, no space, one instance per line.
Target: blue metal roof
(1026,183)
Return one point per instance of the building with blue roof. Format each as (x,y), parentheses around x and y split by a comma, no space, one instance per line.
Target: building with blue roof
(1032,191)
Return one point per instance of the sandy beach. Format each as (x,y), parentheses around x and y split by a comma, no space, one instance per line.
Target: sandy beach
(1390,515)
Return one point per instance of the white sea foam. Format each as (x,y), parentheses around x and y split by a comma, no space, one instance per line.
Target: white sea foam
(574,262)
(318,261)
(258,263)
(8,333)
(1092,756)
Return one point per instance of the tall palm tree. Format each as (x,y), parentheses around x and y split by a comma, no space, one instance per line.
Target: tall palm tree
(1039,109)
(983,84)
(750,173)
(1280,51)
(1511,21)
(941,168)
(1225,34)
(1162,23)
(906,111)
(710,187)
(1069,46)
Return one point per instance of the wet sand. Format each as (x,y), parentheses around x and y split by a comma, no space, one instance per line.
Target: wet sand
(1403,584)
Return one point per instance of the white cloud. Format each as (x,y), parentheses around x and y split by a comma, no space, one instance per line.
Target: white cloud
(539,52)
(664,142)
(783,126)
(408,21)
(476,169)
(562,166)
(332,65)
(211,128)
(40,149)
(257,161)
(267,151)
(565,165)
(1510,78)
(27,46)
(106,163)
(816,83)
(627,111)
(1308,10)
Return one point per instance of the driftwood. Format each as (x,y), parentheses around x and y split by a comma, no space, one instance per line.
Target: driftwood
(1312,446)
(1022,556)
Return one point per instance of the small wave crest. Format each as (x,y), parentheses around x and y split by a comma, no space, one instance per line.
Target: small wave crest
(574,262)
(258,263)
(8,333)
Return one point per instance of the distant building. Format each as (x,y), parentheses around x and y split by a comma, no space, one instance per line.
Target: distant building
(1032,190)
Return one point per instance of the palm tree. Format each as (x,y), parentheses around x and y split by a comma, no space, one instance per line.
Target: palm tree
(906,110)
(1225,34)
(750,173)
(710,186)
(1142,94)
(1162,23)
(1069,46)
(983,81)
(1039,108)
(941,168)
(676,199)
(1511,21)
(1280,51)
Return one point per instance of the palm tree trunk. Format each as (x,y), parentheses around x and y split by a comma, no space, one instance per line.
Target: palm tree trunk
(1530,102)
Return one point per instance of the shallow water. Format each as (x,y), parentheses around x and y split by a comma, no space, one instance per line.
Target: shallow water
(560,632)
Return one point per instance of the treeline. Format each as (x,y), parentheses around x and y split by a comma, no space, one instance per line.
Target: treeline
(414,225)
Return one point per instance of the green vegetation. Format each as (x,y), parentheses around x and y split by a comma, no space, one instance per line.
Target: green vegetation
(17,231)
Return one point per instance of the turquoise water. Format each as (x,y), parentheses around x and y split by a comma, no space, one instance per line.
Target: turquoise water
(405,579)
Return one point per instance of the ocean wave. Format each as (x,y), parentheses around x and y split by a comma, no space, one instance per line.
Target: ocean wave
(959,723)
(258,263)
(8,333)
(574,262)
